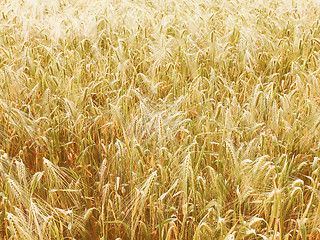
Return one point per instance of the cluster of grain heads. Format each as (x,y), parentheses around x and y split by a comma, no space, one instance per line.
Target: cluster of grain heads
(31,213)
(143,195)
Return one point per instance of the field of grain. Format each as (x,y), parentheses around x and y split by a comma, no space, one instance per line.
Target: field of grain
(159,119)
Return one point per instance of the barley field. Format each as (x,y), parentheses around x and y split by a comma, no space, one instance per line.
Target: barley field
(159,119)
